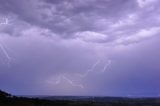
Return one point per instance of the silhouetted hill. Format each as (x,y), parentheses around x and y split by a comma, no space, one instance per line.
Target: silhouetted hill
(4,94)
(8,100)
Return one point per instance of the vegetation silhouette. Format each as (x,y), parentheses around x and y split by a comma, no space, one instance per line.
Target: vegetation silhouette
(7,99)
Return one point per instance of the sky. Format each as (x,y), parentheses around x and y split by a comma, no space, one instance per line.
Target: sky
(80,47)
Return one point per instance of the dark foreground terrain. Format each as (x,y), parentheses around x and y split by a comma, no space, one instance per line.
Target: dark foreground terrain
(9,100)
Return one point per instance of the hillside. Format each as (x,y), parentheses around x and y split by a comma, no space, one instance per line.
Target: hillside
(4,94)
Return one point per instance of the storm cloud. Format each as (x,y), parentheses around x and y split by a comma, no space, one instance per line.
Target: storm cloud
(76,47)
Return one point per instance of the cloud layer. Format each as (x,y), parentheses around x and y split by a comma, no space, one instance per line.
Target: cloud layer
(52,47)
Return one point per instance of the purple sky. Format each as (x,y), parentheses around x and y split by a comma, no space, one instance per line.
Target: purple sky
(80,47)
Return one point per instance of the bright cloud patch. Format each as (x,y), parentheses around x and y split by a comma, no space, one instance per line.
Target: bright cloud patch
(89,36)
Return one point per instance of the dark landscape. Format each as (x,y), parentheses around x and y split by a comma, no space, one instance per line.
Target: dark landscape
(10,100)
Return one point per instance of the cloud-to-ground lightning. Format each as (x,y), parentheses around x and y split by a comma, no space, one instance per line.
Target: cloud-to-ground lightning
(5,21)
(6,54)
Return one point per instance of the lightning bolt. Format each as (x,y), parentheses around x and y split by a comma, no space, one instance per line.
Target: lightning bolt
(106,66)
(64,76)
(90,70)
(2,46)
(6,54)
(61,77)
(72,83)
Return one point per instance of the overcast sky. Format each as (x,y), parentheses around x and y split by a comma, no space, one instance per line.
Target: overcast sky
(80,47)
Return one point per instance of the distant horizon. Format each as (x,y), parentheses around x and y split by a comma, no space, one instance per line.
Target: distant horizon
(46,96)
(130,96)
(114,96)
